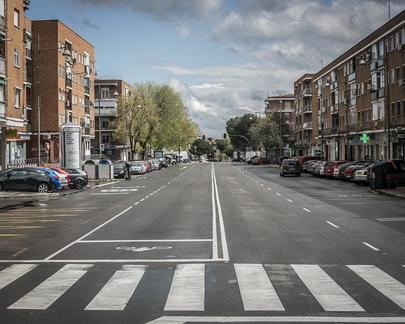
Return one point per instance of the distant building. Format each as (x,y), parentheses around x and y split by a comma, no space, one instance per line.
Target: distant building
(15,81)
(108,93)
(303,115)
(281,108)
(63,86)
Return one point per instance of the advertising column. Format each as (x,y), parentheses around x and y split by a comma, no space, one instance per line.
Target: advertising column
(70,145)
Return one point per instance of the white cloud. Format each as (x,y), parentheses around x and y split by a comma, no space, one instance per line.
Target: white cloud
(183,31)
(208,86)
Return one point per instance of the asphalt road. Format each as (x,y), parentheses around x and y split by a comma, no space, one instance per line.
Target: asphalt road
(206,243)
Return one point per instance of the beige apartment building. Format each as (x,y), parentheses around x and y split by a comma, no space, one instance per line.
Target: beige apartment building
(358,100)
(15,81)
(108,93)
(63,87)
(281,108)
(303,114)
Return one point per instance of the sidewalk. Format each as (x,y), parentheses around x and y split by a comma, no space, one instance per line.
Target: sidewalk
(399,192)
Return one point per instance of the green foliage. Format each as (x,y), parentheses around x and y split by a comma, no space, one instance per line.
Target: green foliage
(266,133)
(153,115)
(239,126)
(200,147)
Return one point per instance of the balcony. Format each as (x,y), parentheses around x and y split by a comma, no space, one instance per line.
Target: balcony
(68,82)
(2,67)
(86,90)
(307,126)
(306,92)
(334,109)
(105,112)
(307,109)
(27,77)
(3,109)
(68,104)
(352,76)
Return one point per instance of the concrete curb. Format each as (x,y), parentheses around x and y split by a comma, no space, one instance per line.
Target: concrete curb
(389,193)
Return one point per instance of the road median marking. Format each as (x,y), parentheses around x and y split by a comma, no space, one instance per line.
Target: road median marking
(306,209)
(331,224)
(371,246)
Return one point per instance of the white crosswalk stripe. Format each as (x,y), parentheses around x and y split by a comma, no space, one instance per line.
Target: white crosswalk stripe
(13,272)
(325,290)
(383,282)
(187,290)
(256,290)
(118,290)
(51,289)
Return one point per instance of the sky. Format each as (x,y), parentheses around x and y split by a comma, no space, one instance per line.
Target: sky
(223,56)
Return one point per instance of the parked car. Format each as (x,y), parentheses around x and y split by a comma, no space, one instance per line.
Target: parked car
(331,167)
(78,178)
(155,164)
(259,160)
(26,179)
(289,166)
(120,169)
(319,168)
(392,171)
(163,163)
(54,176)
(361,176)
(64,176)
(311,165)
(351,170)
(138,167)
(302,159)
(148,165)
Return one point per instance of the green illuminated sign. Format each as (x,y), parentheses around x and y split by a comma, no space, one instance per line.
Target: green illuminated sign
(364,138)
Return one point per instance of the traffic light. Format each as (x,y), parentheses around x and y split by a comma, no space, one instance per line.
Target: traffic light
(225,135)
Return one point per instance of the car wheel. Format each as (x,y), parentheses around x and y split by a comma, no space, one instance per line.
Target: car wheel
(43,188)
(281,174)
(79,184)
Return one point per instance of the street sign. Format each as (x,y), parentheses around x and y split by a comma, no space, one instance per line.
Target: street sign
(364,138)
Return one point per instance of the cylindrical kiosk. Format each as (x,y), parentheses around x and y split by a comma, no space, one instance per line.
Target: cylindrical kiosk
(70,142)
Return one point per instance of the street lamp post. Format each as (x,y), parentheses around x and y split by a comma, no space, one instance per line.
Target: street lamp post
(67,54)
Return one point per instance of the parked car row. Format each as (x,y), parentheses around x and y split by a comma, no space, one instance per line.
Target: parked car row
(389,172)
(139,167)
(42,179)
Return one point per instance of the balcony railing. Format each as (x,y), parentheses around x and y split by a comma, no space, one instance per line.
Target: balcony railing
(307,109)
(86,90)
(68,82)
(3,109)
(2,66)
(307,125)
(306,92)
(352,76)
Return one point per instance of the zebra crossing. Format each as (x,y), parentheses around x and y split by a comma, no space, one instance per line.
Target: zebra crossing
(188,293)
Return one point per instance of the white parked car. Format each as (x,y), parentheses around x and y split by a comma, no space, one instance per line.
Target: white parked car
(138,167)
(361,176)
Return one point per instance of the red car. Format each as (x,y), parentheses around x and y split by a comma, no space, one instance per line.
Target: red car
(330,168)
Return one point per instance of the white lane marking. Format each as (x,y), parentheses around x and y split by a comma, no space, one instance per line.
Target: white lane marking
(277,319)
(106,184)
(108,193)
(137,203)
(392,219)
(306,209)
(331,224)
(255,288)
(187,289)
(144,241)
(371,246)
(118,290)
(87,234)
(289,200)
(269,189)
(13,272)
(142,261)
(214,217)
(278,194)
(119,190)
(51,289)
(143,199)
(325,290)
(383,282)
(225,253)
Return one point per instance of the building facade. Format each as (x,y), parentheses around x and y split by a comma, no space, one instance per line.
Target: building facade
(358,105)
(303,115)
(281,109)
(108,94)
(63,87)
(15,80)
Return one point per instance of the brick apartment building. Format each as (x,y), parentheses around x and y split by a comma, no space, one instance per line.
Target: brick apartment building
(358,100)
(108,93)
(282,108)
(63,86)
(303,114)
(15,80)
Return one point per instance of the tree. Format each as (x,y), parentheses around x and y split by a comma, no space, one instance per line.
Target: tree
(240,126)
(225,146)
(266,133)
(200,147)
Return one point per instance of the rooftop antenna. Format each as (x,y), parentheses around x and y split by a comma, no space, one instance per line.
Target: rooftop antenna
(389,9)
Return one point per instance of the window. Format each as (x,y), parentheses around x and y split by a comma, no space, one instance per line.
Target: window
(17,96)
(16,18)
(381,48)
(2,8)
(392,76)
(106,139)
(16,57)
(2,93)
(105,124)
(105,93)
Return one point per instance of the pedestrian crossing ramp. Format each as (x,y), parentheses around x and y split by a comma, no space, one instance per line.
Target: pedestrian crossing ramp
(190,287)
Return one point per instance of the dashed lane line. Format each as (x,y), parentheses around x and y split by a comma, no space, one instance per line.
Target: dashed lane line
(371,246)
(331,224)
(289,200)
(306,209)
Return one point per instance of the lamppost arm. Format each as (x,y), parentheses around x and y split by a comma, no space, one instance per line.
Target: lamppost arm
(244,137)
